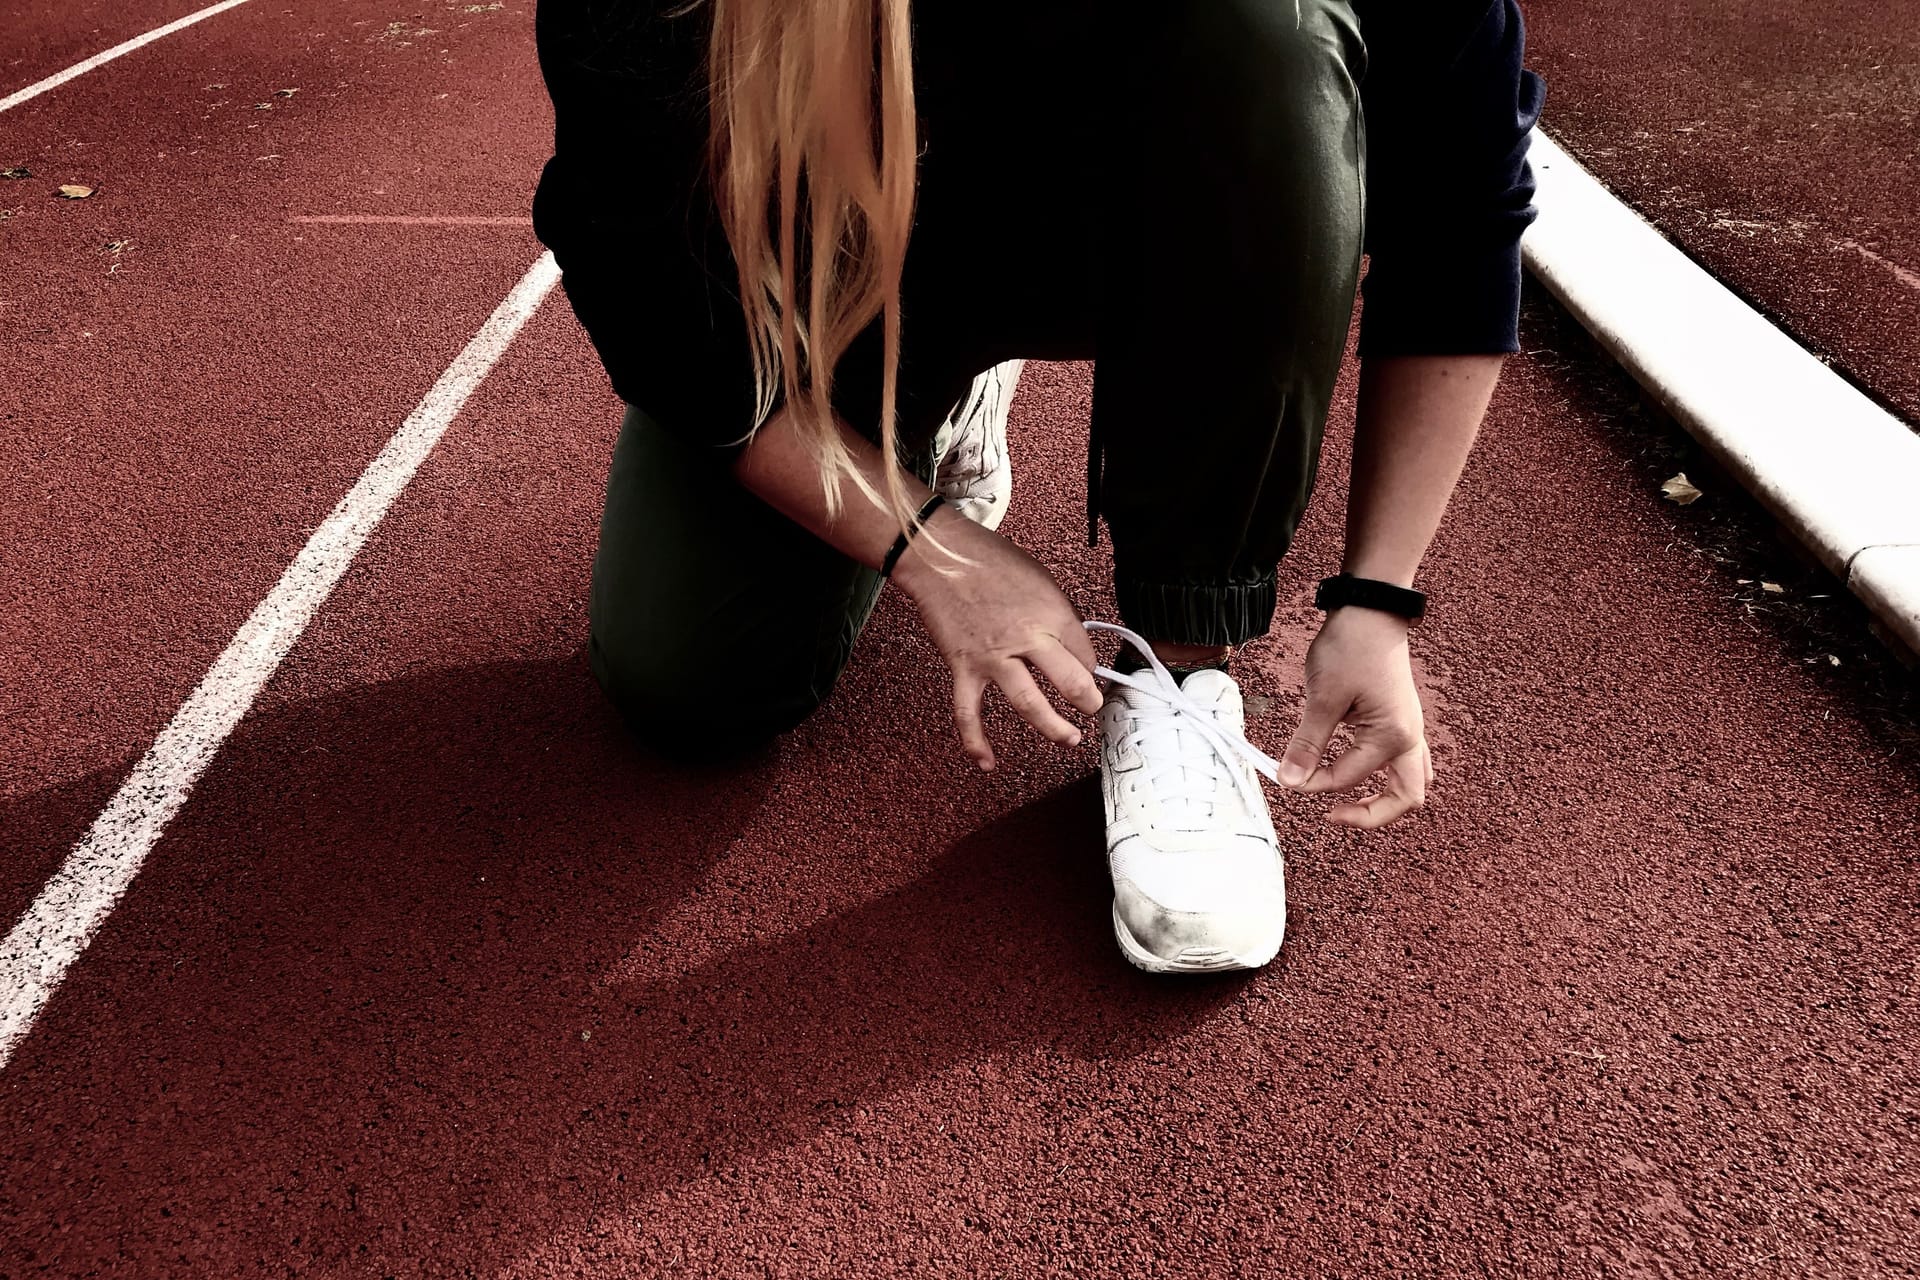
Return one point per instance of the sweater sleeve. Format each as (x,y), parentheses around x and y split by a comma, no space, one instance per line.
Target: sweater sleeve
(1449,108)
(624,207)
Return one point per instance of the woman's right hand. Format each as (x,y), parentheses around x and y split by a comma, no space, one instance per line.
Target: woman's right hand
(997,621)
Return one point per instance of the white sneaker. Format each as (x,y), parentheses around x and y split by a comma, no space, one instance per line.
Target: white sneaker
(976,477)
(1198,882)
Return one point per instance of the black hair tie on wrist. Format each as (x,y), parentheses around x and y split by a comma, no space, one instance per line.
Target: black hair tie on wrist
(899,547)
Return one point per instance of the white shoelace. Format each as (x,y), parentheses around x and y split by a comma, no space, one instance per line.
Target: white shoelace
(1156,735)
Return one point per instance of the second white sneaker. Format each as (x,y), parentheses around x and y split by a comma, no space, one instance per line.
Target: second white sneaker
(976,477)
(1198,881)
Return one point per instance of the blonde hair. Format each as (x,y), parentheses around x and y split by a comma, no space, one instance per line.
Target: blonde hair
(812,117)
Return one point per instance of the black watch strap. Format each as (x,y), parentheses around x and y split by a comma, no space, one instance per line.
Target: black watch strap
(1368,593)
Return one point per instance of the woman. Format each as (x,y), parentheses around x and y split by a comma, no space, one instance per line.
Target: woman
(798,231)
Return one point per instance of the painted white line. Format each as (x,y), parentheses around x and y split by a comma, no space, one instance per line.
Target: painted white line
(1908,278)
(408,220)
(76,901)
(59,78)
(1835,468)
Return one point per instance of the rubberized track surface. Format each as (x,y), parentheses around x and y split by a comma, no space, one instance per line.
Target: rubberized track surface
(437,975)
(1779,145)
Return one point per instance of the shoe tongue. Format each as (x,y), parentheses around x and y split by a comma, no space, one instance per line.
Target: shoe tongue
(1215,691)
(1215,694)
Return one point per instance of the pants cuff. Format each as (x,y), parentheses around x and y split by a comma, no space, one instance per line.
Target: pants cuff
(1198,613)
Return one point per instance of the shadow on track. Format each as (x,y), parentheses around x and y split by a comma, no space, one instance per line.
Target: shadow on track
(393,989)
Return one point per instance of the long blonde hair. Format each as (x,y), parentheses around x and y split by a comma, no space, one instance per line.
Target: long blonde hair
(813,118)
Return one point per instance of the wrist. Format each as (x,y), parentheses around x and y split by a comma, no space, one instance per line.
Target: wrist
(914,527)
(1371,620)
(1350,591)
(1380,569)
(929,554)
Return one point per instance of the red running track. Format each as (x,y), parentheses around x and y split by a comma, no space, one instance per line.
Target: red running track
(48,36)
(181,412)
(437,975)
(1777,144)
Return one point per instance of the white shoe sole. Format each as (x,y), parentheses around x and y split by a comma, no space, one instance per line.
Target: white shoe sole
(1191,960)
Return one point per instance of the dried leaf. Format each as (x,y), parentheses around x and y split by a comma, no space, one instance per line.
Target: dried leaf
(284,93)
(18,172)
(1681,490)
(263,106)
(1833,659)
(1773,588)
(74,191)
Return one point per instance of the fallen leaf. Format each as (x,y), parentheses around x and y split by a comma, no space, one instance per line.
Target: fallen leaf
(1773,587)
(1681,490)
(1833,659)
(263,106)
(74,191)
(1745,582)
(284,93)
(21,172)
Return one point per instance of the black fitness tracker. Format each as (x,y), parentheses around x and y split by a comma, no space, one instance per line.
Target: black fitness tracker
(1367,593)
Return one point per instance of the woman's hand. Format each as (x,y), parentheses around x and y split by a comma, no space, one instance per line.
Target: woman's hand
(996,621)
(1359,673)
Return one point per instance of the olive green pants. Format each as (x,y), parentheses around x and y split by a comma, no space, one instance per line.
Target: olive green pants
(717,623)
(1201,243)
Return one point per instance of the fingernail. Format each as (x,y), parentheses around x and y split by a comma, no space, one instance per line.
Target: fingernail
(1291,774)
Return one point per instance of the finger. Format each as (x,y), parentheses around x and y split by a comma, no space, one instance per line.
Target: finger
(1371,750)
(1309,741)
(1426,754)
(1079,642)
(1366,813)
(1405,791)
(1025,695)
(967,691)
(1066,673)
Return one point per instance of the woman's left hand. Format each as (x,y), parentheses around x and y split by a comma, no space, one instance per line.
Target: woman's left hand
(1359,673)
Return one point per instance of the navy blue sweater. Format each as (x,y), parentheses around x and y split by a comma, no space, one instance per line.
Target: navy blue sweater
(1448,110)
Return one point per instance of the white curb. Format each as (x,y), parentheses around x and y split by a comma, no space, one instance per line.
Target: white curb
(1840,472)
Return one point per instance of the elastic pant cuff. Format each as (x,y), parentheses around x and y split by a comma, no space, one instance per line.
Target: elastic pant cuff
(1198,613)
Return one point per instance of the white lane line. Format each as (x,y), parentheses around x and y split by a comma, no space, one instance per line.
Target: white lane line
(409,220)
(76,901)
(1900,273)
(59,78)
